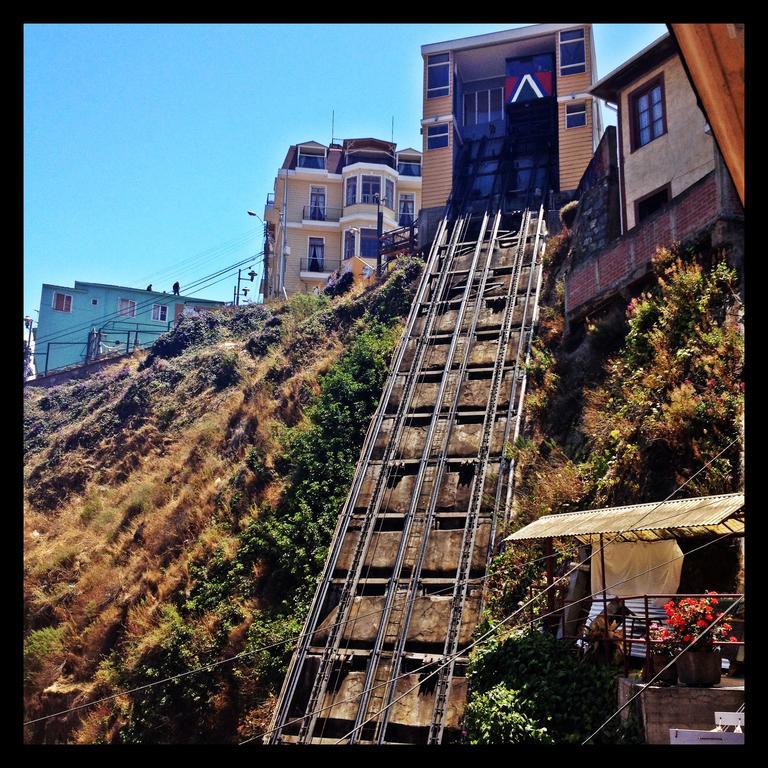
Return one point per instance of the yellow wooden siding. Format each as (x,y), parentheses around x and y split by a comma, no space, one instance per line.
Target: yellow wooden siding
(441,106)
(575,148)
(298,242)
(437,170)
(298,195)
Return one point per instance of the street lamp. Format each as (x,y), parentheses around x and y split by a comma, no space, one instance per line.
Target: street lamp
(251,275)
(379,228)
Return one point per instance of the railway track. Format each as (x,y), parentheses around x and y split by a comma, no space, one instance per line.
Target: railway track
(429,487)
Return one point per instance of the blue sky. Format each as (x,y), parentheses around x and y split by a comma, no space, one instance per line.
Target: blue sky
(144,145)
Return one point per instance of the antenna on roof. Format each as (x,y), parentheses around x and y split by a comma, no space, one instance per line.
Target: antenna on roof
(333,123)
(393,129)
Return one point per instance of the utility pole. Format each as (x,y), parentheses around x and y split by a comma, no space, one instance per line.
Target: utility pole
(379,229)
(266,261)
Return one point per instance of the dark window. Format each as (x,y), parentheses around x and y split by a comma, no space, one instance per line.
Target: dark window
(371,189)
(409,168)
(648,119)
(406,209)
(438,75)
(311,159)
(575,115)
(437,136)
(316,253)
(470,108)
(349,244)
(94,302)
(369,243)
(572,52)
(389,193)
(351,190)
(317,203)
(650,204)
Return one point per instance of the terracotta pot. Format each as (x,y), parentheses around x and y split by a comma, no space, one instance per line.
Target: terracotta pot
(699,668)
(658,662)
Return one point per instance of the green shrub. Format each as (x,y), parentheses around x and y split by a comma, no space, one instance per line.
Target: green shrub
(501,716)
(39,645)
(552,688)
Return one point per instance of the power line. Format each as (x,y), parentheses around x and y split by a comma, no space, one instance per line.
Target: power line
(661,672)
(529,602)
(217,250)
(153,300)
(480,639)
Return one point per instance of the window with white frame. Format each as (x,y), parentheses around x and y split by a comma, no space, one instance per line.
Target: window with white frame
(437,136)
(351,197)
(406,209)
(371,189)
(311,157)
(94,302)
(317,203)
(408,166)
(349,244)
(438,75)
(573,59)
(575,115)
(483,106)
(369,243)
(160,312)
(316,254)
(126,308)
(389,194)
(62,302)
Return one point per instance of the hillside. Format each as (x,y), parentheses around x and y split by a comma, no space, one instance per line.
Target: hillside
(623,408)
(178,508)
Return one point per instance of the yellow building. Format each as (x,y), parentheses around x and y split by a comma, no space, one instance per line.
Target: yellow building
(473,86)
(322,215)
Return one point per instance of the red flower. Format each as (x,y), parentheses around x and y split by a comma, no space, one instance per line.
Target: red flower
(701,623)
(733,639)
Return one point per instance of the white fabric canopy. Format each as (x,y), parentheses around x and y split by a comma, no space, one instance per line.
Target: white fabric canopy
(637,568)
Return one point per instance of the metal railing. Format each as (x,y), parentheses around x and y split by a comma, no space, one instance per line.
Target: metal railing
(270,200)
(320,213)
(315,264)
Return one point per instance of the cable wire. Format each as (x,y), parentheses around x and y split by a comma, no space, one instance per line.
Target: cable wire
(661,672)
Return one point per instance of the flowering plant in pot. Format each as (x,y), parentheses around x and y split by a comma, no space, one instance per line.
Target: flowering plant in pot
(662,650)
(687,619)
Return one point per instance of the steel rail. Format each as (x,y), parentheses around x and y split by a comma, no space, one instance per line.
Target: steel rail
(439,471)
(458,600)
(291,679)
(346,600)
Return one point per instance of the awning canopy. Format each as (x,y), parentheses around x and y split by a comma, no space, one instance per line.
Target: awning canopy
(677,519)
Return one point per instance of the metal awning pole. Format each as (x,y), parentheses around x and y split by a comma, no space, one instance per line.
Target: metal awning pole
(550,591)
(605,597)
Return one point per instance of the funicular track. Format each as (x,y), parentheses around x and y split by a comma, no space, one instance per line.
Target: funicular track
(400,591)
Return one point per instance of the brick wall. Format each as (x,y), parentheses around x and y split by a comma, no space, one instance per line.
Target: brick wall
(597,276)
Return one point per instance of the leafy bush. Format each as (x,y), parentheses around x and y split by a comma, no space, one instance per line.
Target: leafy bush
(39,645)
(501,716)
(547,687)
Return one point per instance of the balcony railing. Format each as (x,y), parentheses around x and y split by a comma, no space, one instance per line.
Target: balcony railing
(320,213)
(315,264)
(270,200)
(377,158)
(371,199)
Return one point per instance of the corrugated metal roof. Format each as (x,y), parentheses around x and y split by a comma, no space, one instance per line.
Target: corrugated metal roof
(644,522)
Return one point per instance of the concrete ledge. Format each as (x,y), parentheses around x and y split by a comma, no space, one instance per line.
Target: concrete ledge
(680,706)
